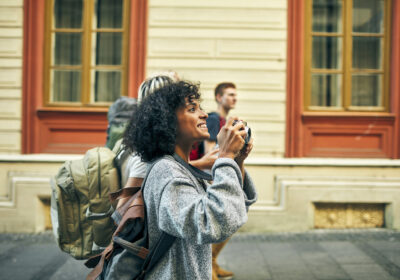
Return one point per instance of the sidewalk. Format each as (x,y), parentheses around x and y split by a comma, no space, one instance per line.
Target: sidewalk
(320,254)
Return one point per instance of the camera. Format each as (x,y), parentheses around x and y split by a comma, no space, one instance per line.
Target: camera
(247,129)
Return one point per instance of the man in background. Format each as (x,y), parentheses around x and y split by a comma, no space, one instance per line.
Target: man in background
(226,97)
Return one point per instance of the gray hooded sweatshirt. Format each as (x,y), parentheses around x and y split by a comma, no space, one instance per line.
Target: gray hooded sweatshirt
(183,204)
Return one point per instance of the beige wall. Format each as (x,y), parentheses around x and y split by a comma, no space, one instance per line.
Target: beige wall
(231,40)
(11,21)
(287,189)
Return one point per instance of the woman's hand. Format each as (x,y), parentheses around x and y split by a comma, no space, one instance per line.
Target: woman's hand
(244,153)
(207,161)
(231,138)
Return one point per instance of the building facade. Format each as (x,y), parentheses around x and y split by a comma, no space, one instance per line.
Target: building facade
(318,82)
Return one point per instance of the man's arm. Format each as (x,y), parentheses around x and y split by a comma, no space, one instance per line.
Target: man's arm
(209,146)
(132,182)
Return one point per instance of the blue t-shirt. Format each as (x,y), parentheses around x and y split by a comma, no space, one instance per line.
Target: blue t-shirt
(214,124)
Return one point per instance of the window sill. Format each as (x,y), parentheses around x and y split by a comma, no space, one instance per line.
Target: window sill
(73,109)
(349,114)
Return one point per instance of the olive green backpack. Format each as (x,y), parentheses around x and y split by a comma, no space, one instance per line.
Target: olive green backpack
(80,205)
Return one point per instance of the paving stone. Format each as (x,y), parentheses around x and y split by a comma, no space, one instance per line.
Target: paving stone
(366,272)
(391,250)
(245,260)
(380,259)
(345,252)
(35,261)
(71,269)
(4,247)
(323,266)
(284,262)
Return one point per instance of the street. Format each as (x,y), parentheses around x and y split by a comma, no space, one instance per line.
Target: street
(318,254)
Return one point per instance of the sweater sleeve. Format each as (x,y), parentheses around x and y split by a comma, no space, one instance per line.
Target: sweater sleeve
(206,217)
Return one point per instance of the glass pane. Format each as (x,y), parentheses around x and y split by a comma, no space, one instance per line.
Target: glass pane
(327,16)
(68,13)
(367,52)
(325,90)
(327,52)
(368,16)
(366,90)
(67,48)
(107,86)
(108,48)
(108,13)
(66,86)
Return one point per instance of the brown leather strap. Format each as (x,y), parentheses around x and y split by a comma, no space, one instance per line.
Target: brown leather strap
(123,193)
(99,267)
(134,210)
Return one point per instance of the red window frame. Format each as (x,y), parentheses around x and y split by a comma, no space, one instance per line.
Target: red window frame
(69,130)
(334,134)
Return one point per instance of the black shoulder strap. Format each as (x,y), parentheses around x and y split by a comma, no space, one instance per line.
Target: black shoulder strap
(162,246)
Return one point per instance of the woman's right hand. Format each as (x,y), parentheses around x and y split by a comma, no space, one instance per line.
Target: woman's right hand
(231,138)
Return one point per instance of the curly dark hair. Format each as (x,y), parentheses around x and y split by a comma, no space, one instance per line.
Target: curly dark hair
(152,129)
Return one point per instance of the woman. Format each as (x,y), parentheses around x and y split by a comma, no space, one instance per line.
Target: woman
(178,198)
(133,168)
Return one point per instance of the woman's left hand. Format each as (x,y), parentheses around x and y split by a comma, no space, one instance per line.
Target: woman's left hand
(243,154)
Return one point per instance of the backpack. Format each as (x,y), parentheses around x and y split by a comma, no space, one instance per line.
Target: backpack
(80,206)
(128,256)
(118,117)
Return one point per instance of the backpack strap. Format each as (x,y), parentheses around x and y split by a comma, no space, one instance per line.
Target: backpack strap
(162,246)
(150,258)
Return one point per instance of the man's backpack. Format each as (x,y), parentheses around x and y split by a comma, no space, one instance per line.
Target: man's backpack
(80,206)
(128,256)
(119,114)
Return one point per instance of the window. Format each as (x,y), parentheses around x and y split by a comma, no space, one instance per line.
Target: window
(343,91)
(347,66)
(86,52)
(78,55)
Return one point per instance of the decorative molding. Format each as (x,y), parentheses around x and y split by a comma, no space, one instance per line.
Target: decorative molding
(73,132)
(349,215)
(357,136)
(282,184)
(15,178)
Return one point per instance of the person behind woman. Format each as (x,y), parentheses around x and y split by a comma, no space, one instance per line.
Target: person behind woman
(179,199)
(133,169)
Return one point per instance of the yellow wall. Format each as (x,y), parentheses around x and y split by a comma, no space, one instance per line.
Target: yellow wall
(230,40)
(11,21)
(287,190)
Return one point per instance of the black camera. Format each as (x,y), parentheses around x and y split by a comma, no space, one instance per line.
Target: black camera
(247,129)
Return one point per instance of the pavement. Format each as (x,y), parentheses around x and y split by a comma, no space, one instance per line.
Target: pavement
(372,254)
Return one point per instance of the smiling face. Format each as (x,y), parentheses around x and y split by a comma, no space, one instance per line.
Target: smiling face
(192,125)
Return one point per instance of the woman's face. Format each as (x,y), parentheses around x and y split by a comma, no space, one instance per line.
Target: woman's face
(192,125)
